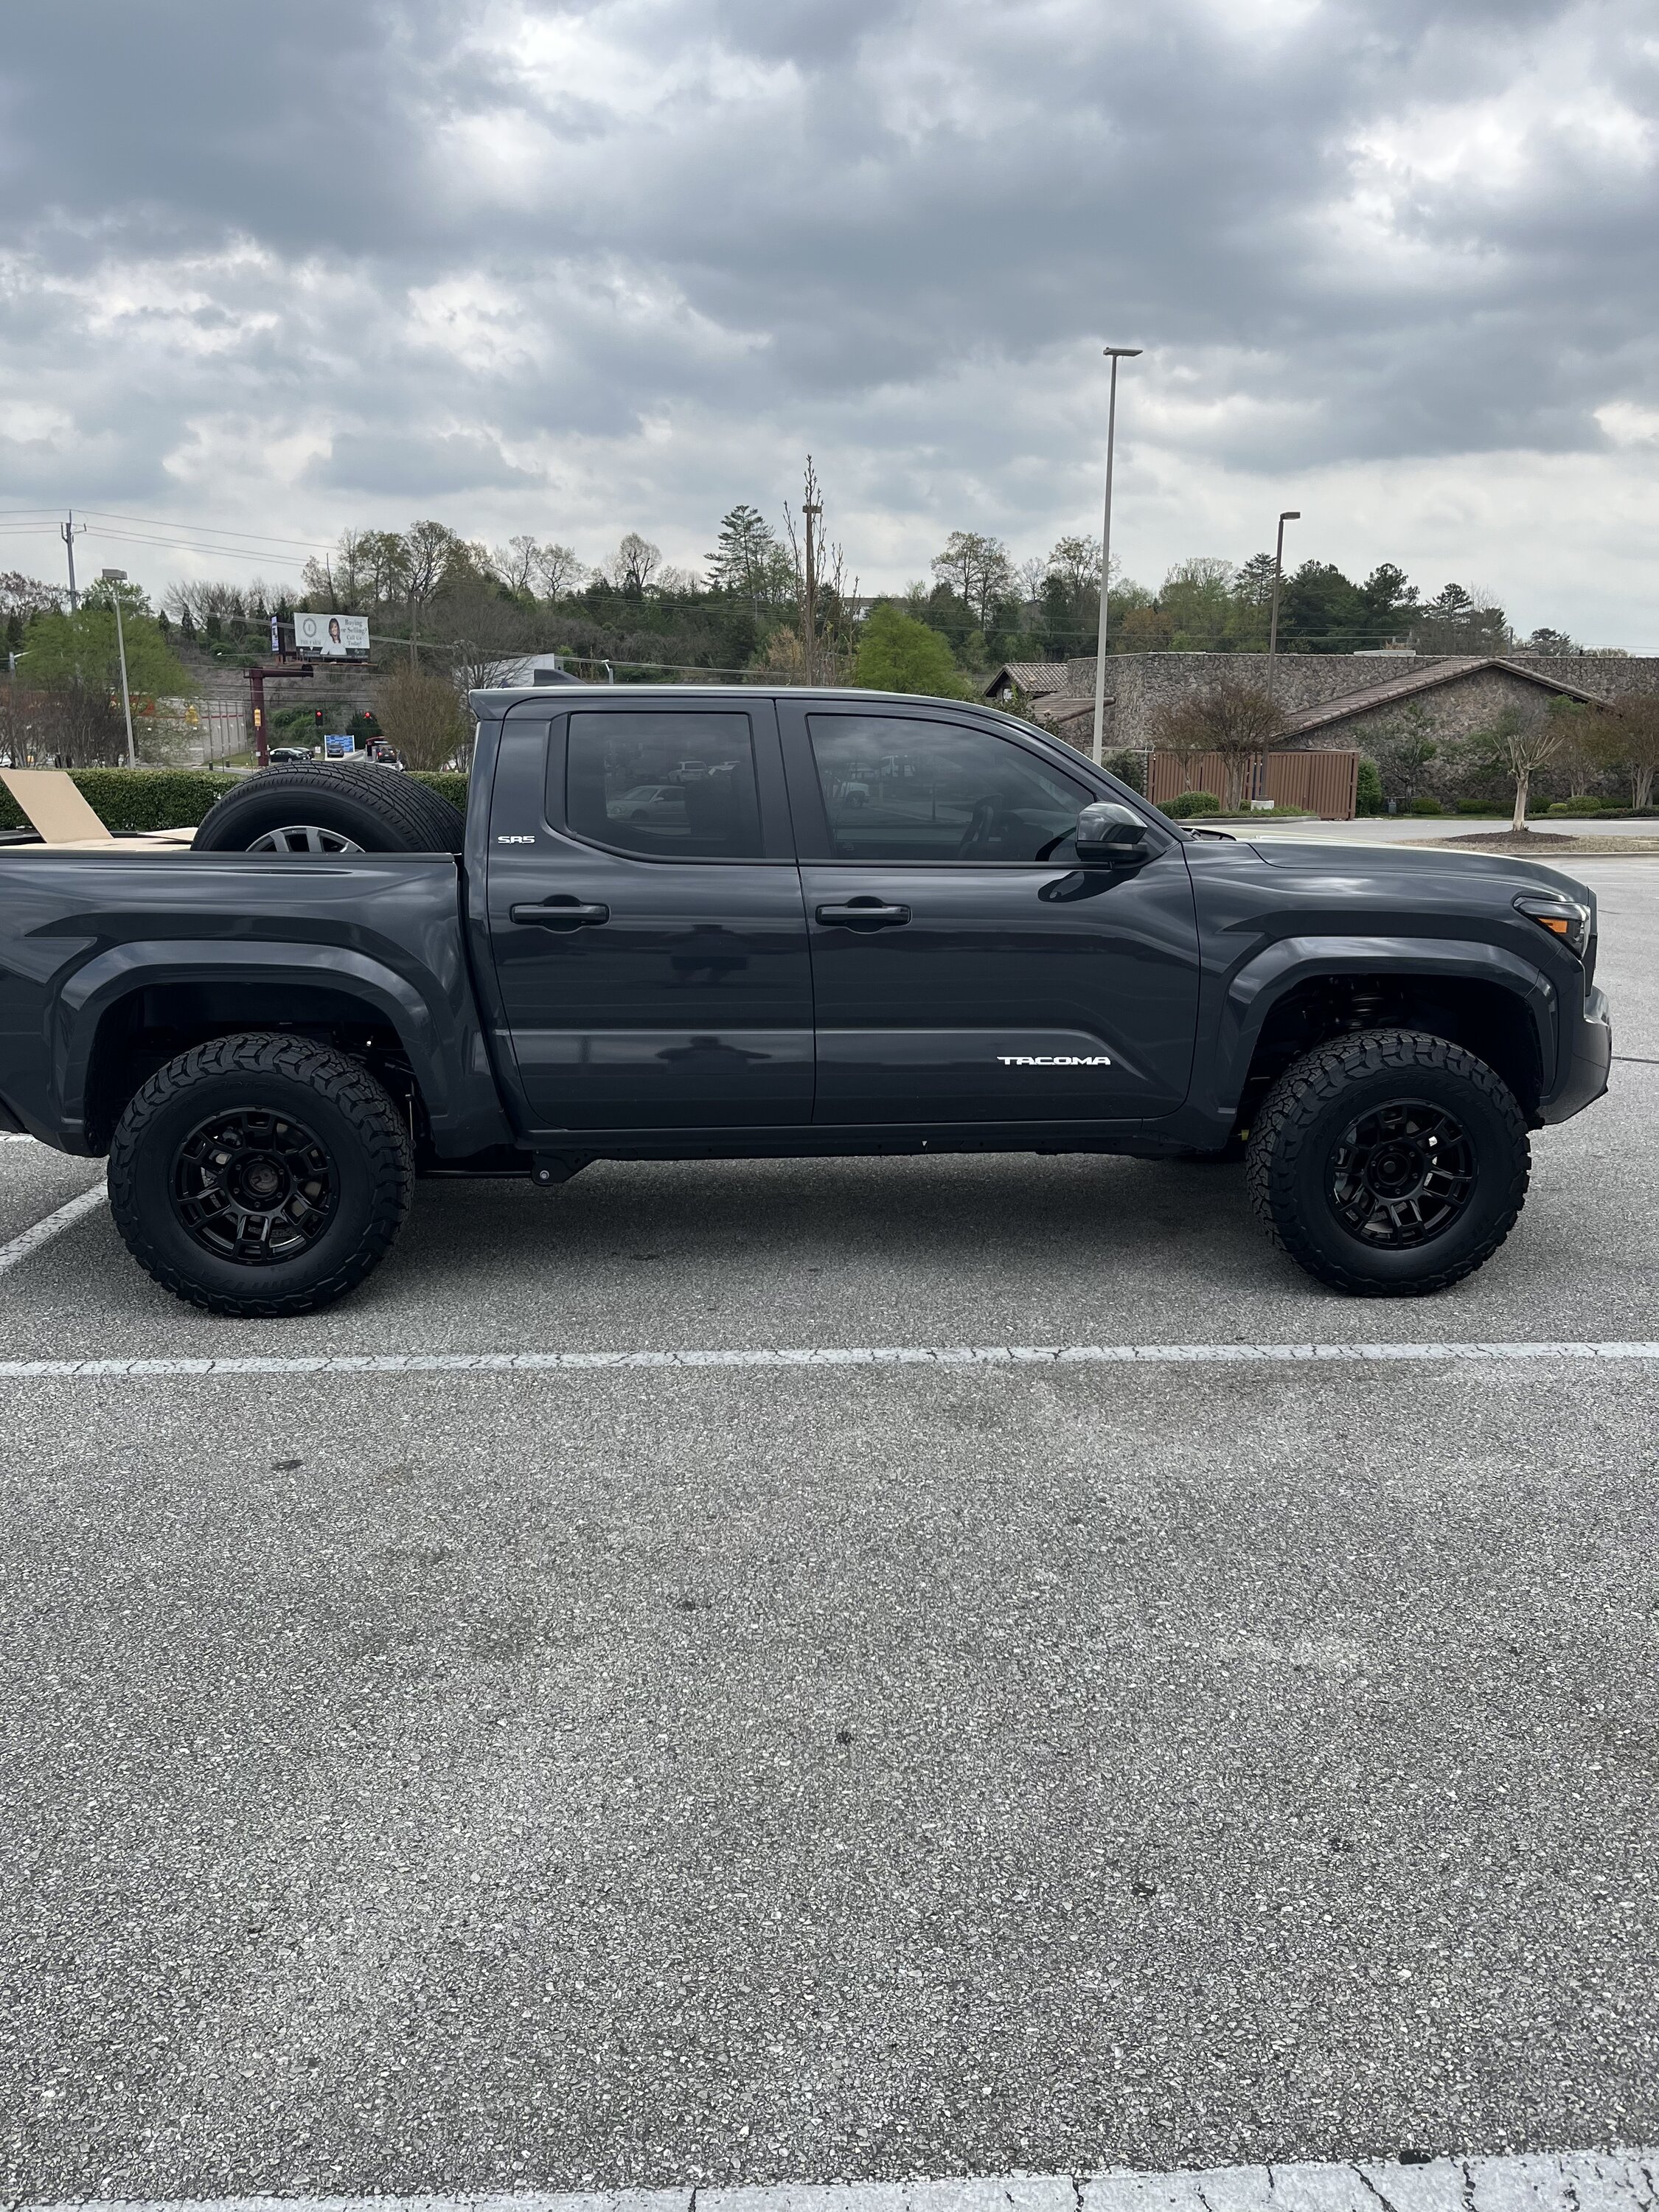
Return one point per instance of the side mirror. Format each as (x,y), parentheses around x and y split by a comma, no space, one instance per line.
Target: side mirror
(1107,831)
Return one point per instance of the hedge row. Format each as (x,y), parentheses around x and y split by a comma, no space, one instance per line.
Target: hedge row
(452,787)
(128,798)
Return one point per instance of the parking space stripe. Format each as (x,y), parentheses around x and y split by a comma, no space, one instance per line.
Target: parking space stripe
(902,1355)
(1539,2181)
(54,1225)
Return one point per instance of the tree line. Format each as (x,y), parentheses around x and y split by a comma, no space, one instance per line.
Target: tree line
(768,600)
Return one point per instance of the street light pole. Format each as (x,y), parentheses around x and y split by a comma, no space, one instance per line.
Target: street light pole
(1290,514)
(115,576)
(1114,354)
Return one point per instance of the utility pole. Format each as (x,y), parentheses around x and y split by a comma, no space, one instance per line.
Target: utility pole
(810,509)
(1290,514)
(115,578)
(69,531)
(1114,354)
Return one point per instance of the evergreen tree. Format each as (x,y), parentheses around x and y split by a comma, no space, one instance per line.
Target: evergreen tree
(746,558)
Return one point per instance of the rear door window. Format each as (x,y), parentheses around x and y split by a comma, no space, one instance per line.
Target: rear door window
(673,786)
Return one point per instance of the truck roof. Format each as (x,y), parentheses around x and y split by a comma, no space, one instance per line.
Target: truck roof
(489,704)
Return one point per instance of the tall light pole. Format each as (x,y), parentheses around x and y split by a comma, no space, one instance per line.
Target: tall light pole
(1114,354)
(114,576)
(1290,514)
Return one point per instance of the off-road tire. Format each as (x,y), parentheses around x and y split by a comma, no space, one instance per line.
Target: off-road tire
(375,807)
(1320,1097)
(351,1115)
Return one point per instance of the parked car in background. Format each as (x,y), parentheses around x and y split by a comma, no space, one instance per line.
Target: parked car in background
(649,802)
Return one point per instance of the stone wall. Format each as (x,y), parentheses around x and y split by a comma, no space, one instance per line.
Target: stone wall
(1141,683)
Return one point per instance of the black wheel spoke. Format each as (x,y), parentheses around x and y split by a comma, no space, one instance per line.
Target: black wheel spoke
(1401,1174)
(254,1187)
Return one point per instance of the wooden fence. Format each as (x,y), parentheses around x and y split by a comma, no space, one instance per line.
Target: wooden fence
(1320,782)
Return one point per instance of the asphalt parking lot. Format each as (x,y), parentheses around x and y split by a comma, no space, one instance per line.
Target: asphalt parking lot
(440,1782)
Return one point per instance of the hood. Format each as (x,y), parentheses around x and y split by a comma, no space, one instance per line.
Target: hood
(1381,857)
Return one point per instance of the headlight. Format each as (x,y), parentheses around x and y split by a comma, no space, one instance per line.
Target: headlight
(1562,916)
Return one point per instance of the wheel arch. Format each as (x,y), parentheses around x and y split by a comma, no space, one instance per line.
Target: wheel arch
(1302,991)
(127,1010)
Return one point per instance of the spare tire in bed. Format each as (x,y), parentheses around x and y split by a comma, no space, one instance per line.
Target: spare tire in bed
(314,809)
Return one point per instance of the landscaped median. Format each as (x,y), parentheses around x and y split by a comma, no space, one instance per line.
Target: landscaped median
(129,800)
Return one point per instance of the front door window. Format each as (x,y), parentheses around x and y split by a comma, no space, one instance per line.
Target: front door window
(899,789)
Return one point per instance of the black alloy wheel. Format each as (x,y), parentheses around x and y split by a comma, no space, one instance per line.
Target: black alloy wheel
(1402,1175)
(254,1187)
(261,1174)
(1389,1163)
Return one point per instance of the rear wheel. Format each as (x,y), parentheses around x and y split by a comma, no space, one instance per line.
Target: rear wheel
(260,1175)
(1389,1163)
(314,809)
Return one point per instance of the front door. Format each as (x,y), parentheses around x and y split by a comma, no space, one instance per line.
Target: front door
(959,976)
(646,920)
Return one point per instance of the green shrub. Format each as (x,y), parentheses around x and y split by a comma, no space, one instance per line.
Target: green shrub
(452,787)
(128,798)
(1483,806)
(1582,806)
(1128,767)
(1423,805)
(1368,798)
(1193,802)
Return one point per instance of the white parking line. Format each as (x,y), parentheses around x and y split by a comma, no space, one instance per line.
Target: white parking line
(54,1225)
(901,1355)
(1540,2181)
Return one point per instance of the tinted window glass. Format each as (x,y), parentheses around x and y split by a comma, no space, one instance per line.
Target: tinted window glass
(674,786)
(895,789)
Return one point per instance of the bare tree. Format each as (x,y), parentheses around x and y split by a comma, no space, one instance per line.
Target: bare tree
(423,717)
(1030,574)
(429,549)
(515,561)
(823,619)
(1521,747)
(1076,561)
(1625,736)
(485,635)
(978,569)
(1233,718)
(558,571)
(633,565)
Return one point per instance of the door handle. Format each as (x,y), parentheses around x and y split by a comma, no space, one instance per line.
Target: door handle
(863,913)
(560,913)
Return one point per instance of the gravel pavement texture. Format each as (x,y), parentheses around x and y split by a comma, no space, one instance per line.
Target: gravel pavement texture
(431,1783)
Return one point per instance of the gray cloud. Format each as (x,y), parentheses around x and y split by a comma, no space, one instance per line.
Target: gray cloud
(584,265)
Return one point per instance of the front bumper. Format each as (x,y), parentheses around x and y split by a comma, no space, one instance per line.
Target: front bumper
(1585,1059)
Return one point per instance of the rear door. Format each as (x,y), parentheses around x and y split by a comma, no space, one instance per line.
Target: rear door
(958,976)
(645,920)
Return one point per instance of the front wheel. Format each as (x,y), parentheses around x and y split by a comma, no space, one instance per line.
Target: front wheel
(1389,1163)
(261,1176)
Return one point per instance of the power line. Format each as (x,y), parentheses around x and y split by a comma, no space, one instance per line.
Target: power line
(209,530)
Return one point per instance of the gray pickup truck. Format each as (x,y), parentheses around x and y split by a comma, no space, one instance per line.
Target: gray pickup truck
(682,923)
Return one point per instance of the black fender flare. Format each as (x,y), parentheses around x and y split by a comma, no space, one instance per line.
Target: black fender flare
(1257,985)
(450,1066)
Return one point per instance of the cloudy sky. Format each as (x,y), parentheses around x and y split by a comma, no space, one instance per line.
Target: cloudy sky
(578,268)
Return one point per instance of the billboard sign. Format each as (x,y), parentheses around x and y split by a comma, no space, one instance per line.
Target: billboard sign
(338,747)
(331,637)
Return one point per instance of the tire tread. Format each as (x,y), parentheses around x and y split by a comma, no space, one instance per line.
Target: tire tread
(364,1103)
(1317,1080)
(425,823)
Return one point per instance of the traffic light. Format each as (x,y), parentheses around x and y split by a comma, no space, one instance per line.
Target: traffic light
(318,718)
